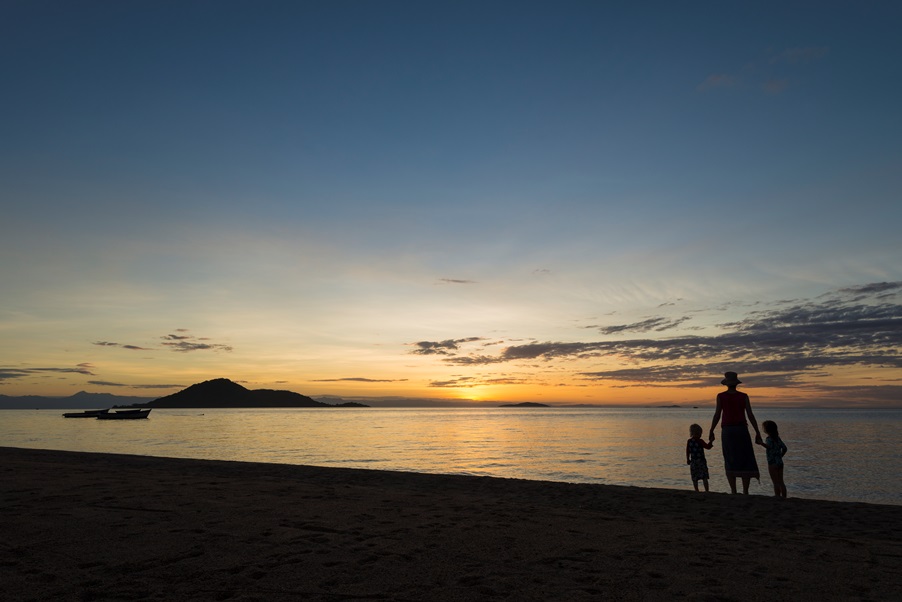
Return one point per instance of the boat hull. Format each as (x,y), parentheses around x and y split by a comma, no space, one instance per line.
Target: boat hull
(124,415)
(85,414)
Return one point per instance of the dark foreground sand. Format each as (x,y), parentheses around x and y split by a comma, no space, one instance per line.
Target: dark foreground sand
(77,526)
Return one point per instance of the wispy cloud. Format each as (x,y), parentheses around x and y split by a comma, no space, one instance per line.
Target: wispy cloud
(465,381)
(104,383)
(879,290)
(358,379)
(472,381)
(718,80)
(782,344)
(456,281)
(768,72)
(800,56)
(185,343)
(123,346)
(447,347)
(182,343)
(655,324)
(188,346)
(14,373)
(176,337)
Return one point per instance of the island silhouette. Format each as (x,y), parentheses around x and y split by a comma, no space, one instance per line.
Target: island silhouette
(525,404)
(224,393)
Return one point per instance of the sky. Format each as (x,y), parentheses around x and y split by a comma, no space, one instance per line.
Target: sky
(561,202)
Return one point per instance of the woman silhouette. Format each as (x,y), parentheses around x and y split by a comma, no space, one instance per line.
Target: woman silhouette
(738,453)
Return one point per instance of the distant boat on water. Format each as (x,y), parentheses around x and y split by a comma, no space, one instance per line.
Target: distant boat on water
(85,414)
(124,415)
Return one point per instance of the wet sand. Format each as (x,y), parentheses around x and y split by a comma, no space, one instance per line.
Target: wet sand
(78,526)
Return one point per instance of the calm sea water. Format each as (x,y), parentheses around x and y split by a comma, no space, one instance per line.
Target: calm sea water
(846,455)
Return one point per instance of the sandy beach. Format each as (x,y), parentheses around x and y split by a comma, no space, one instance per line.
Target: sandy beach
(79,526)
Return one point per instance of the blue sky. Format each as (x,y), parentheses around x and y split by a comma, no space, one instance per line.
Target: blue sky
(308,191)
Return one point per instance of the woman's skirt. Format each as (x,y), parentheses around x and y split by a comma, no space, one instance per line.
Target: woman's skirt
(738,453)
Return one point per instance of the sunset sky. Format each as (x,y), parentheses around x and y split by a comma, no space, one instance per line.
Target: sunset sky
(563,202)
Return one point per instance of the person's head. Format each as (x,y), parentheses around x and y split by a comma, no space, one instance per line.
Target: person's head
(695,431)
(770,427)
(730,379)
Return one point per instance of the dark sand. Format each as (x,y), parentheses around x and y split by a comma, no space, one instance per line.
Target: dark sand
(78,526)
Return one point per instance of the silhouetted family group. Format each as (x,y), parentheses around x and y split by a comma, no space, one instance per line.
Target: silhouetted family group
(738,454)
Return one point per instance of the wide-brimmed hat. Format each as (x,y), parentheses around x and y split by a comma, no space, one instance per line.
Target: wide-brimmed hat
(730,378)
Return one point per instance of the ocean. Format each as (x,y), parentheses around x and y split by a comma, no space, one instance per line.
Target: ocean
(834,454)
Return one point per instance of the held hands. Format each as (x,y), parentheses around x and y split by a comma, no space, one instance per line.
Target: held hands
(758,439)
(711,437)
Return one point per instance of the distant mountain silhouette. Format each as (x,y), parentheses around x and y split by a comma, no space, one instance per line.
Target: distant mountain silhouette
(79,401)
(223,393)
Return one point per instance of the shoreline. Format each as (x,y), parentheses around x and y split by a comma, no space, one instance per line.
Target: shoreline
(97,526)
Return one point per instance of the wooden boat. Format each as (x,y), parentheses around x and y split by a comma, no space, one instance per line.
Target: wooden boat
(125,415)
(85,414)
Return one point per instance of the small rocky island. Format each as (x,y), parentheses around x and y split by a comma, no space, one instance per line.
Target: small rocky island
(525,404)
(223,393)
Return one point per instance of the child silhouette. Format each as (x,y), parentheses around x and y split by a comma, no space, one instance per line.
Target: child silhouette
(776,449)
(695,456)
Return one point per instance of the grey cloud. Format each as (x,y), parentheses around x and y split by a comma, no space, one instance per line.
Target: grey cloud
(456,281)
(103,383)
(182,343)
(446,347)
(465,381)
(780,345)
(656,324)
(131,347)
(879,290)
(188,346)
(13,373)
(186,343)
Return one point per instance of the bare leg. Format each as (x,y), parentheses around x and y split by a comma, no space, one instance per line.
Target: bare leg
(745,485)
(774,471)
(695,483)
(706,485)
(779,485)
(732,481)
